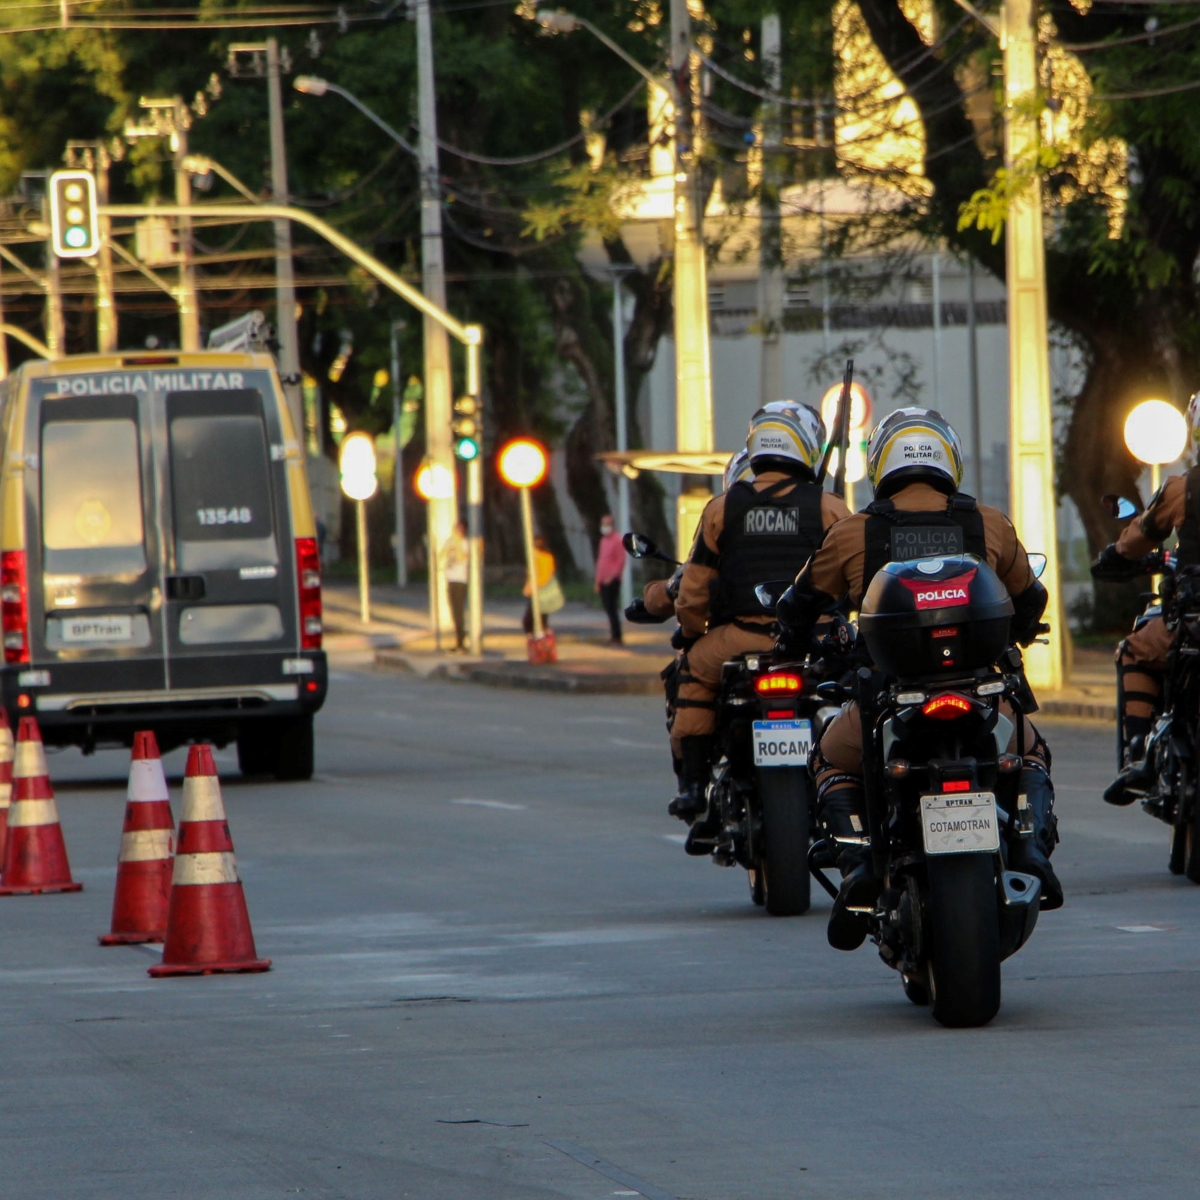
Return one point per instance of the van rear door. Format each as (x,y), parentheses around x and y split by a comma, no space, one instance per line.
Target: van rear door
(97,554)
(230,583)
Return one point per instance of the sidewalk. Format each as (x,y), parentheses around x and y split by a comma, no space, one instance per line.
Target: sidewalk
(400,639)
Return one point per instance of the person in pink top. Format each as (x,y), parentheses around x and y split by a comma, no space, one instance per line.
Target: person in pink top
(610,563)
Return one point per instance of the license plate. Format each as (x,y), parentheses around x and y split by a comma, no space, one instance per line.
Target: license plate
(97,629)
(782,743)
(960,823)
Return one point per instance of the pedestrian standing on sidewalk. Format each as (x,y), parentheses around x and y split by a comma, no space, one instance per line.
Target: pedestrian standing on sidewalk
(550,593)
(610,566)
(456,560)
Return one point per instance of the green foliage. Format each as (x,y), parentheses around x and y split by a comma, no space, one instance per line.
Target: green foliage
(988,208)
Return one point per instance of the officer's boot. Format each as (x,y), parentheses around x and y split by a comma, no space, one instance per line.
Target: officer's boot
(1031,855)
(841,809)
(1136,775)
(695,771)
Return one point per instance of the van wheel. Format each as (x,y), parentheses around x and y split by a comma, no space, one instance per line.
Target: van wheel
(258,750)
(295,757)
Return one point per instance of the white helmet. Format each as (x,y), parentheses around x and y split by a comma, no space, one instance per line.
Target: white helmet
(786,434)
(739,468)
(911,445)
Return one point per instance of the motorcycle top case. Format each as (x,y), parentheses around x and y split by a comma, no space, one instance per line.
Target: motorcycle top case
(928,616)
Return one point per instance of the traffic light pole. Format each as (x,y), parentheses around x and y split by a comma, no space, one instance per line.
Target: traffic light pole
(55,338)
(398,469)
(106,309)
(189,312)
(475,503)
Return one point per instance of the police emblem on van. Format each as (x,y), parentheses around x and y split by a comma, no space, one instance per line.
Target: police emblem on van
(782,521)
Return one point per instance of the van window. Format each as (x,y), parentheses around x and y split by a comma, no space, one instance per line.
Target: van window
(92,498)
(221,481)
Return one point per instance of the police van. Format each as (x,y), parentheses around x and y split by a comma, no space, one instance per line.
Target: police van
(159,566)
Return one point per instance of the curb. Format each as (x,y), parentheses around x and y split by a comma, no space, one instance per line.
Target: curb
(524,677)
(1078,709)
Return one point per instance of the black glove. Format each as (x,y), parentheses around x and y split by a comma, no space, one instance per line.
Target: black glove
(680,641)
(638,614)
(1028,607)
(1111,567)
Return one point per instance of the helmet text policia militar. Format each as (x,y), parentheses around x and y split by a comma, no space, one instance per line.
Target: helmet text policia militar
(786,435)
(914,445)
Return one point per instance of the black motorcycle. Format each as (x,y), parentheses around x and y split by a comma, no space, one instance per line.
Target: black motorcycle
(1172,748)
(760,800)
(943,797)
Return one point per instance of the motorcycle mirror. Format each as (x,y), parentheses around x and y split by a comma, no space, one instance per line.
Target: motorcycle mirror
(768,593)
(831,691)
(1118,507)
(638,545)
(1037,563)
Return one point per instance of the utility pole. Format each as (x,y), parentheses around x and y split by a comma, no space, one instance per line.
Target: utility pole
(441,512)
(189,308)
(3,335)
(973,378)
(398,470)
(475,500)
(693,363)
(770,264)
(285,280)
(1032,502)
(622,415)
(94,157)
(936,280)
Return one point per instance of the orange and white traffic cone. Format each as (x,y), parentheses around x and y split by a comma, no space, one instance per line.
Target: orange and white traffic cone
(208,927)
(35,856)
(147,845)
(6,770)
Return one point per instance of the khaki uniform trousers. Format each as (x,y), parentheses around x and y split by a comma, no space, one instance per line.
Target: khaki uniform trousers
(1142,659)
(700,676)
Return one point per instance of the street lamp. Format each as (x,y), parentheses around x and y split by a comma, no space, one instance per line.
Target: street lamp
(522,465)
(1155,434)
(356,461)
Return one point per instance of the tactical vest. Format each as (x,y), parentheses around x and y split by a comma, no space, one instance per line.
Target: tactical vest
(900,535)
(766,537)
(1188,550)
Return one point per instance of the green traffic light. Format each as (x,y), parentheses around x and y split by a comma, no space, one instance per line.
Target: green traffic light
(76,237)
(467,449)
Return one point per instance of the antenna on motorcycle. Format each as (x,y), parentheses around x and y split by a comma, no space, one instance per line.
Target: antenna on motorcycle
(839,435)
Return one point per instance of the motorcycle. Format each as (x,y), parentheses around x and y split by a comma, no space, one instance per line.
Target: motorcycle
(942,791)
(760,798)
(1172,749)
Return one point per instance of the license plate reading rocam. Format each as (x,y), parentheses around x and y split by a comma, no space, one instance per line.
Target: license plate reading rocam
(97,629)
(960,823)
(782,743)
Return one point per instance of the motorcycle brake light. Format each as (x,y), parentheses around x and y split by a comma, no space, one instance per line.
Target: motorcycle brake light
(956,785)
(946,707)
(778,683)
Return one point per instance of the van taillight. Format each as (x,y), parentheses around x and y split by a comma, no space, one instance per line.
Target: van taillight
(14,606)
(308,585)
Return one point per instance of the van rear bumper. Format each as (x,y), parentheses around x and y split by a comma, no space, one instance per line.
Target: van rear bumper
(80,705)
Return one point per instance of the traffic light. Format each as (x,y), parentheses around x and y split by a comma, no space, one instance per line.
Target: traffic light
(466,428)
(74,221)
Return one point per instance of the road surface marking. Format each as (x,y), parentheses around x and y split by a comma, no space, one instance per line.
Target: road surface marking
(492,804)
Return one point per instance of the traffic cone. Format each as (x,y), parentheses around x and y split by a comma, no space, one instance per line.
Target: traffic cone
(6,769)
(208,927)
(35,855)
(147,844)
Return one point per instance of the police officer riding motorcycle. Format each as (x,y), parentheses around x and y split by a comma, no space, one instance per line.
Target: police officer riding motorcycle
(759,530)
(914,465)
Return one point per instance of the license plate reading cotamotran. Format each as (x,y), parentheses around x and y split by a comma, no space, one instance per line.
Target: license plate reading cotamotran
(960,823)
(782,743)
(97,629)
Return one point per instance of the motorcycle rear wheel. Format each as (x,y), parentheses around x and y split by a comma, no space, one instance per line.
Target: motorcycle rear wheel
(783,867)
(1178,850)
(964,927)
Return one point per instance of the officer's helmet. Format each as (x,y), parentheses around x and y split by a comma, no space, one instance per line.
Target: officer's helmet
(914,445)
(739,468)
(785,435)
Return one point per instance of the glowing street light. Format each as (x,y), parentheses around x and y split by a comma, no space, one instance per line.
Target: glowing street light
(356,461)
(860,416)
(434,482)
(1155,433)
(522,466)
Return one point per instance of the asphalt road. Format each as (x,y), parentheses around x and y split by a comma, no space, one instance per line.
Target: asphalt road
(495,971)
